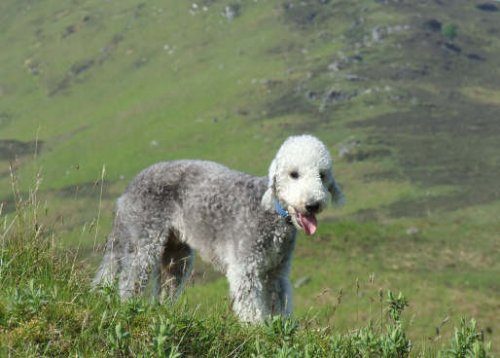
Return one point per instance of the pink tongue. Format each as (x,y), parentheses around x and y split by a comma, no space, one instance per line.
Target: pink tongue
(308,222)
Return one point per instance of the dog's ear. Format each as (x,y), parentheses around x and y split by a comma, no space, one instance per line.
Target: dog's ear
(268,197)
(272,174)
(338,197)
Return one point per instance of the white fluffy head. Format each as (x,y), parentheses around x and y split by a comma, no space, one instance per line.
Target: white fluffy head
(301,177)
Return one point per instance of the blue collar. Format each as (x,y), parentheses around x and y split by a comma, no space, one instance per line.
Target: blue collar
(280,210)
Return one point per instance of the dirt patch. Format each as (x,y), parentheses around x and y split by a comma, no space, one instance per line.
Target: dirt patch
(11,149)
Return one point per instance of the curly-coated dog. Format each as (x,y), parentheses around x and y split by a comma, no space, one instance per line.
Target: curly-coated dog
(244,225)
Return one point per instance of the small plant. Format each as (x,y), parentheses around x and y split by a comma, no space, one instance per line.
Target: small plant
(467,342)
(119,339)
(396,305)
(27,301)
(162,339)
(284,328)
(450,31)
(395,343)
(132,308)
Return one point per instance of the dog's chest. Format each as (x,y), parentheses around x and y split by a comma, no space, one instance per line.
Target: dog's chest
(276,245)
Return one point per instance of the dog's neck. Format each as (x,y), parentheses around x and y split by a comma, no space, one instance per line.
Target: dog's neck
(280,210)
(270,202)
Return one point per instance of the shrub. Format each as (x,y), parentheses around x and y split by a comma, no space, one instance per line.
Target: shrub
(450,31)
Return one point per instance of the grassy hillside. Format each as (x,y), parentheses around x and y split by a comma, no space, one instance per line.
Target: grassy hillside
(405,94)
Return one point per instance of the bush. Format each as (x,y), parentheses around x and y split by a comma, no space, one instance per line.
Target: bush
(450,31)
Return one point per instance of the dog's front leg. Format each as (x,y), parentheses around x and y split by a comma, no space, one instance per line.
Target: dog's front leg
(279,291)
(248,297)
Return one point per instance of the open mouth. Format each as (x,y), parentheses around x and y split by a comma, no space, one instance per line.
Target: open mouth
(307,222)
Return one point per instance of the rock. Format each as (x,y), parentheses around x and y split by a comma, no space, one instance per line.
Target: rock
(378,33)
(169,49)
(335,66)
(397,29)
(353,77)
(32,66)
(412,231)
(346,148)
(331,97)
(230,12)
(343,151)
(343,62)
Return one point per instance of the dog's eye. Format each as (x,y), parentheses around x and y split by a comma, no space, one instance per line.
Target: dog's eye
(294,174)
(322,176)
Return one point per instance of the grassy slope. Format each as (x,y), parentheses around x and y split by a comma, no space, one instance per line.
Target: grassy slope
(77,76)
(48,309)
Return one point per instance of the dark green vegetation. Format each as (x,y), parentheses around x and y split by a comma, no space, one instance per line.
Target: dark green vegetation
(406,94)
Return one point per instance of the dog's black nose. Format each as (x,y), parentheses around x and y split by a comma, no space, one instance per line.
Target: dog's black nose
(313,208)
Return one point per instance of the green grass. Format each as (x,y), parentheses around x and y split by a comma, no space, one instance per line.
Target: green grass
(422,189)
(47,308)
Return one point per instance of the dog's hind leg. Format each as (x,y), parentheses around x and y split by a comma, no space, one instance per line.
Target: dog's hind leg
(137,264)
(109,267)
(111,264)
(174,269)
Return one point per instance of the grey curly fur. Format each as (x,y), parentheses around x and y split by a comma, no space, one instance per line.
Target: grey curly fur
(173,208)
